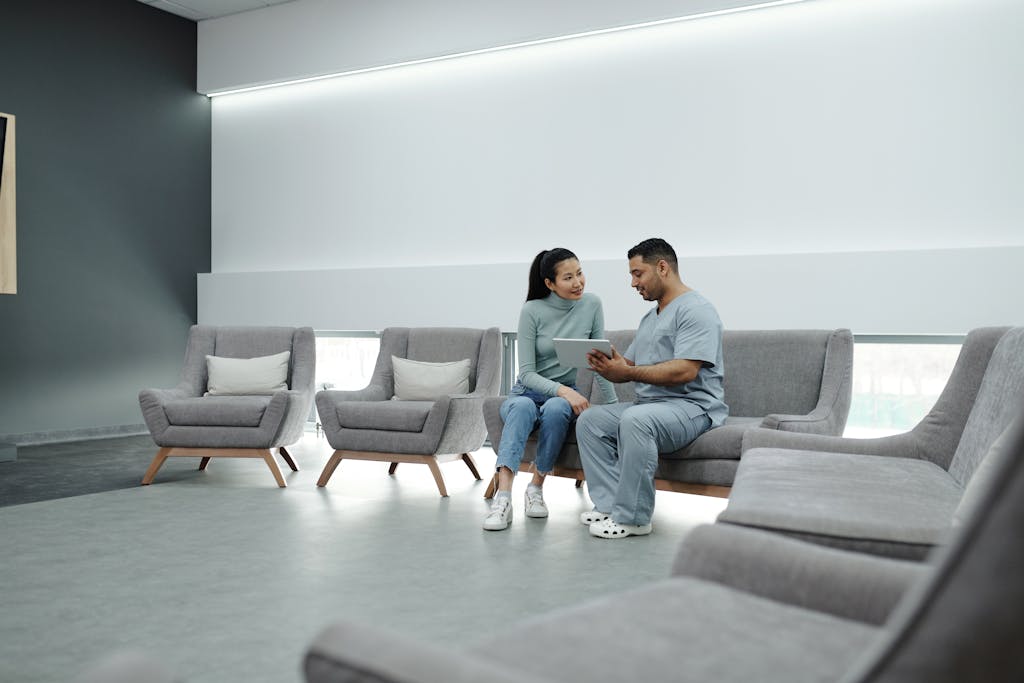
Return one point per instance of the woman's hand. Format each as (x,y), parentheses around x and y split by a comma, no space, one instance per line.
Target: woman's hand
(575,399)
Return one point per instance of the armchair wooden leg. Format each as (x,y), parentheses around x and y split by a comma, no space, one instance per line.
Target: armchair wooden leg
(332,464)
(436,471)
(491,487)
(287,457)
(394,466)
(268,457)
(468,459)
(579,483)
(203,463)
(154,467)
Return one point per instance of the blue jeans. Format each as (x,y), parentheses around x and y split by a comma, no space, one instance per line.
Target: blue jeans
(525,410)
(619,446)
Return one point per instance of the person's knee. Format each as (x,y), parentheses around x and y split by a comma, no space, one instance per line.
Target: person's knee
(557,408)
(637,422)
(516,406)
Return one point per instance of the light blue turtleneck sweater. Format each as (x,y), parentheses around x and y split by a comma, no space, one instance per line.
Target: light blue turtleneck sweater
(540,321)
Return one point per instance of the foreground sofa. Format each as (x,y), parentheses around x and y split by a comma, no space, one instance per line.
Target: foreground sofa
(894,496)
(788,380)
(746,605)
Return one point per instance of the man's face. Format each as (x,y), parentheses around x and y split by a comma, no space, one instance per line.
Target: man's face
(646,279)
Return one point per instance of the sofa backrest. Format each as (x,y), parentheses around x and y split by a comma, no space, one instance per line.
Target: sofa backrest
(999,396)
(766,371)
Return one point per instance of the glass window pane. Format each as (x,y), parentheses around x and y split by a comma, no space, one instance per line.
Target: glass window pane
(345,362)
(895,385)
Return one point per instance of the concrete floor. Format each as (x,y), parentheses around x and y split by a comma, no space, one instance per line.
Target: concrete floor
(226,577)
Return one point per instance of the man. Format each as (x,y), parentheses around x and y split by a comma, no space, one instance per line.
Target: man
(676,361)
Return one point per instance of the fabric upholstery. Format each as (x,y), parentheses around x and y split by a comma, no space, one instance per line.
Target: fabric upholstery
(247,376)
(935,438)
(417,380)
(900,507)
(183,417)
(899,500)
(367,420)
(843,584)
(1001,391)
(224,411)
(798,380)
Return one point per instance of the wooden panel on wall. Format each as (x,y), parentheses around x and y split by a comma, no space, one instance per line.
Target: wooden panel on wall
(8,250)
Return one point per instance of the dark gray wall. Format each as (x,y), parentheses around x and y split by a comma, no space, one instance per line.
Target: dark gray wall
(113,156)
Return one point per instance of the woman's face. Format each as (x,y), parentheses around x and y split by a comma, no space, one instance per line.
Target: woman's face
(569,281)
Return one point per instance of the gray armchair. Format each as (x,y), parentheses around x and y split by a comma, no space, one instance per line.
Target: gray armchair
(785,380)
(746,605)
(184,422)
(897,495)
(368,425)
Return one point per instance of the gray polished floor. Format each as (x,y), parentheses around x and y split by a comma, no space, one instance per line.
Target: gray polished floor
(225,577)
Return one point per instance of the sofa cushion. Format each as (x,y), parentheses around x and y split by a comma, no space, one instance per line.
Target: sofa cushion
(680,629)
(887,502)
(720,442)
(391,416)
(417,380)
(247,376)
(217,411)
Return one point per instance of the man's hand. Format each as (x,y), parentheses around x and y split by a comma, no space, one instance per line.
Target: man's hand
(614,369)
(576,400)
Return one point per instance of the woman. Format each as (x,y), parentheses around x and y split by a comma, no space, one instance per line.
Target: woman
(545,394)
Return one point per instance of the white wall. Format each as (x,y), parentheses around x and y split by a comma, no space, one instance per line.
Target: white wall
(831,128)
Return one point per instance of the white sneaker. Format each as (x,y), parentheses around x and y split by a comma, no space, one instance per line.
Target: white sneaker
(591,516)
(500,515)
(534,502)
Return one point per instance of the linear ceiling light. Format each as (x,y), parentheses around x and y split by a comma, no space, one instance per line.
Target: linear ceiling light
(512,46)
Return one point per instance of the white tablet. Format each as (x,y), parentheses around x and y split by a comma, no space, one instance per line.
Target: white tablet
(572,353)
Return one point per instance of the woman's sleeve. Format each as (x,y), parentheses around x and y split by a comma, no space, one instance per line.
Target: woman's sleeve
(526,342)
(597,332)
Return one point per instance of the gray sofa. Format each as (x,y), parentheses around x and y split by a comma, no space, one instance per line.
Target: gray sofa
(184,422)
(787,380)
(893,496)
(747,605)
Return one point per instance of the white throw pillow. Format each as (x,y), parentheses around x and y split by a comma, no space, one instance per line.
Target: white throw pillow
(247,376)
(421,381)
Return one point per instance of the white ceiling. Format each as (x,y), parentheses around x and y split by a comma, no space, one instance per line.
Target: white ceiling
(209,9)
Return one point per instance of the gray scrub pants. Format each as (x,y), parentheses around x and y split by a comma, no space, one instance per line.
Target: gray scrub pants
(619,446)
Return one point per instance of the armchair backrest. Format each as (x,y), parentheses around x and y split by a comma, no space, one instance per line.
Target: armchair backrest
(965,621)
(250,342)
(999,395)
(766,371)
(442,344)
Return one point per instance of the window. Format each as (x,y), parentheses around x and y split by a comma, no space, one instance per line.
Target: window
(896,381)
(345,360)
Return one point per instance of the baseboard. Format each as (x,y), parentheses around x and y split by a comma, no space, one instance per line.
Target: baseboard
(86,434)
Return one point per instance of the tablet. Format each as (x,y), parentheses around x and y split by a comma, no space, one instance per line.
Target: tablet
(572,353)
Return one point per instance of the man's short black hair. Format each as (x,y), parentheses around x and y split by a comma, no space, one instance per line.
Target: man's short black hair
(653,250)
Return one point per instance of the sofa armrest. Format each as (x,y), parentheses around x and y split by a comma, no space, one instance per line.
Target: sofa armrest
(357,653)
(151,402)
(821,420)
(897,445)
(845,584)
